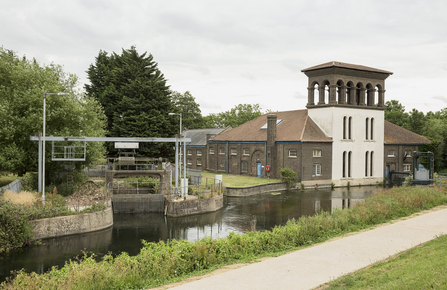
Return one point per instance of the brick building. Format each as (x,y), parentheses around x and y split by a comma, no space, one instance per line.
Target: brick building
(341,138)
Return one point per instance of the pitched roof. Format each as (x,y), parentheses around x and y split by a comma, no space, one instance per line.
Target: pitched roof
(345,65)
(295,126)
(198,136)
(398,135)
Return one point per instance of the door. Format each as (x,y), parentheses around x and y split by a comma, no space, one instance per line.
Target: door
(258,169)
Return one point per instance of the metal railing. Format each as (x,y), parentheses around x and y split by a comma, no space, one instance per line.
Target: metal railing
(13,186)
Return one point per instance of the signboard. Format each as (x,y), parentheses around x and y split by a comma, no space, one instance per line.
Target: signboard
(126,145)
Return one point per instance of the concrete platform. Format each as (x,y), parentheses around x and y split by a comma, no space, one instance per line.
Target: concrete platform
(308,268)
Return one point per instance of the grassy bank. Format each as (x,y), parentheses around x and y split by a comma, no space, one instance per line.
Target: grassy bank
(7,179)
(162,263)
(240,180)
(422,267)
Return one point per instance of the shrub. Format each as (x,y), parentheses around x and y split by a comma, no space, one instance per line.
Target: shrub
(289,177)
(15,231)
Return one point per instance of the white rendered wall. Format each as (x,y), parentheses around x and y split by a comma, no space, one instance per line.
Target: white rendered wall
(330,119)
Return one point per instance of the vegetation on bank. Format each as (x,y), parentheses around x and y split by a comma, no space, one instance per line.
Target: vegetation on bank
(230,180)
(422,267)
(162,263)
(17,209)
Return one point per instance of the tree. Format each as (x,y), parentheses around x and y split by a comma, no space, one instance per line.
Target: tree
(135,98)
(395,113)
(237,116)
(22,83)
(416,121)
(191,114)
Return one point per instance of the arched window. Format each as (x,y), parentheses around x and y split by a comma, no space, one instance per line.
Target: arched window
(341,92)
(370,95)
(350,128)
(371,163)
(349,163)
(366,163)
(344,165)
(372,129)
(366,128)
(344,127)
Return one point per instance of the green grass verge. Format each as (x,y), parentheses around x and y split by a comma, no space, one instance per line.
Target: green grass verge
(240,180)
(163,263)
(423,267)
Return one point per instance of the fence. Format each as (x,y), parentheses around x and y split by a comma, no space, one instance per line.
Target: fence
(13,186)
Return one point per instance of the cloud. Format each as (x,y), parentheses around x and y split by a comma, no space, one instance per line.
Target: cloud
(298,95)
(442,98)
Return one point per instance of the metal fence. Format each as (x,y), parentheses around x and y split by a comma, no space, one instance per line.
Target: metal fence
(13,186)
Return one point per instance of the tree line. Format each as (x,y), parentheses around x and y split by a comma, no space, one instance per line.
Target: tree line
(432,125)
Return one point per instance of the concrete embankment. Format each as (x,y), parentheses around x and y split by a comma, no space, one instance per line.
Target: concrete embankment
(176,208)
(256,189)
(72,224)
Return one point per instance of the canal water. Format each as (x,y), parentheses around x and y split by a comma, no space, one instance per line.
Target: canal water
(239,215)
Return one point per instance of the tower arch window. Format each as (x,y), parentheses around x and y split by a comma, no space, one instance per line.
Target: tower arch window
(344,165)
(344,126)
(370,98)
(371,134)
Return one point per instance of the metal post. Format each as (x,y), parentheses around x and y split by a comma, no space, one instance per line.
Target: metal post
(39,187)
(176,168)
(43,149)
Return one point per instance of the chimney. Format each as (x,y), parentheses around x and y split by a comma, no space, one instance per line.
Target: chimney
(271,145)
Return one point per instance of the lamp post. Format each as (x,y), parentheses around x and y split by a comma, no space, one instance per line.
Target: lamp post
(45,94)
(184,150)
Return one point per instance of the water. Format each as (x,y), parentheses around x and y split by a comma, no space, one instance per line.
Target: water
(240,214)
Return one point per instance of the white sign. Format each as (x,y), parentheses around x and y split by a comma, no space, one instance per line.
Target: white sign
(121,145)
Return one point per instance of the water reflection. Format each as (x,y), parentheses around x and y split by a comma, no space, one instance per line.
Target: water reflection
(240,214)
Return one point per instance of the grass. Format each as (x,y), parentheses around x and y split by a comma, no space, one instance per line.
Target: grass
(7,179)
(423,267)
(162,263)
(24,197)
(230,180)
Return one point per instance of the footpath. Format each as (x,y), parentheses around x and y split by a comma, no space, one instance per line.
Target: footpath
(310,267)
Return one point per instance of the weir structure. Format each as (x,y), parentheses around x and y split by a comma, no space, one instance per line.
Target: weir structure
(70,154)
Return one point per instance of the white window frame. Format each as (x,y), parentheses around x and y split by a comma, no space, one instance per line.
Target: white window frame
(316,153)
(246,152)
(188,152)
(295,155)
(221,150)
(233,151)
(407,151)
(211,150)
(391,155)
(407,167)
(189,161)
(199,161)
(316,169)
(199,152)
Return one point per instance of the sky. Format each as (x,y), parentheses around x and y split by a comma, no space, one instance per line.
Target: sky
(231,52)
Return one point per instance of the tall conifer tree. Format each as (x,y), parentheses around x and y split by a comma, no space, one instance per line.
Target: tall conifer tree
(135,98)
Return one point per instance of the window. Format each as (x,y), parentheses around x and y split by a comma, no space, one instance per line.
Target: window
(189,152)
(371,164)
(407,153)
(390,153)
(349,163)
(233,151)
(316,153)
(407,167)
(350,128)
(221,150)
(199,161)
(292,153)
(244,166)
(199,152)
(366,163)
(188,161)
(344,165)
(367,128)
(246,152)
(347,128)
(211,150)
(344,127)
(317,170)
(372,129)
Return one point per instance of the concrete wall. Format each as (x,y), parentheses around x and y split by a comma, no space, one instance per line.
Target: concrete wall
(252,190)
(194,206)
(137,203)
(73,224)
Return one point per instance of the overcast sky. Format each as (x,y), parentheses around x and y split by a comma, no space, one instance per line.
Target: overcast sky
(231,52)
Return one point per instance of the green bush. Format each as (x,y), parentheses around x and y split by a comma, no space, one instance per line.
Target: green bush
(29,181)
(289,177)
(15,231)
